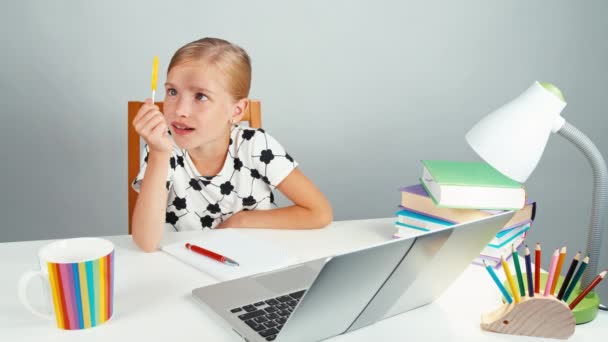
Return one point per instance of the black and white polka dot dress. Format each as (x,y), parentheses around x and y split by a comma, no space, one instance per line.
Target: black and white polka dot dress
(256,163)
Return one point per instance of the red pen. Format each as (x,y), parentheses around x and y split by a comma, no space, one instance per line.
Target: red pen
(212,255)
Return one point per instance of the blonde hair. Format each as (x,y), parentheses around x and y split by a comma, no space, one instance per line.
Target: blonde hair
(231,60)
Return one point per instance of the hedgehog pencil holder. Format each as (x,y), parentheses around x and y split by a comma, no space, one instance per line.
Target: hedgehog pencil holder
(534,316)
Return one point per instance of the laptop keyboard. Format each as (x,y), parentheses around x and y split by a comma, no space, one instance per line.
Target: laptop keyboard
(268,316)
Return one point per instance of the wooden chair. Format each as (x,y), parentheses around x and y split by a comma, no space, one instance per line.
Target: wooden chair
(253,115)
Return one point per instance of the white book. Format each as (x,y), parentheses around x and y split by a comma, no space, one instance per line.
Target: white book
(504,250)
(473,185)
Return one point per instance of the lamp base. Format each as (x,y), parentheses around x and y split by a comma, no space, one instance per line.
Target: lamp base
(584,312)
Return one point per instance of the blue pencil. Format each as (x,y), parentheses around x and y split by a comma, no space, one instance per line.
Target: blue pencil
(529,273)
(498,283)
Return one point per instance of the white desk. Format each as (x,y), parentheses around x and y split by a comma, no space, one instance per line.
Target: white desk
(153,299)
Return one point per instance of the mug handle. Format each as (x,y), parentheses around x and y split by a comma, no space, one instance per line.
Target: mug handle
(24,282)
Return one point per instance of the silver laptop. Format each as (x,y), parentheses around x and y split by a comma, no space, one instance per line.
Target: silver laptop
(334,295)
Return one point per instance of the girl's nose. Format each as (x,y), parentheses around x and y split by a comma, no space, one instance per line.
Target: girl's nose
(182,109)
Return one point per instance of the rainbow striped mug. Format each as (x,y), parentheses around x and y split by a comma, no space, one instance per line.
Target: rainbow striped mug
(79,274)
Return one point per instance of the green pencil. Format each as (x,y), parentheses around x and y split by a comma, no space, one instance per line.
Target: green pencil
(576,278)
(520,278)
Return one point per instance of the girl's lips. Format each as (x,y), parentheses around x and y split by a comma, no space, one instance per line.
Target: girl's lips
(181,129)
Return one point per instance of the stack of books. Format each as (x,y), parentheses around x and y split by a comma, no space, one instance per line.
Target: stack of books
(451,193)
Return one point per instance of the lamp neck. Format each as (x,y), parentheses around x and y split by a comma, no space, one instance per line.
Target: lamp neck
(600,192)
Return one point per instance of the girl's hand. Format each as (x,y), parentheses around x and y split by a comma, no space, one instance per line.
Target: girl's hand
(150,124)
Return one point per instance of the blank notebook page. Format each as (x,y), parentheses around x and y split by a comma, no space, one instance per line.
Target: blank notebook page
(253,254)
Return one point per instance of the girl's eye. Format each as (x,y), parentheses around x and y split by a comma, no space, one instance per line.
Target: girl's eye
(171,92)
(200,96)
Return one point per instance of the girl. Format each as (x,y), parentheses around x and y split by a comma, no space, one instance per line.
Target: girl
(208,172)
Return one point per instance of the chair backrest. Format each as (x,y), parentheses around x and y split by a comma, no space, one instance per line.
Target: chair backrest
(253,115)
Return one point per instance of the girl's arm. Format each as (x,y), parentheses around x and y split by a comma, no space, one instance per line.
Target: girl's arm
(149,213)
(151,204)
(310,210)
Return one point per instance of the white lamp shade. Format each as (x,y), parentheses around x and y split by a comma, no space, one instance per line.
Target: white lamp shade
(512,138)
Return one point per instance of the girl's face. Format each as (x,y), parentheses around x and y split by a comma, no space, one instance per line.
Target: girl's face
(197,107)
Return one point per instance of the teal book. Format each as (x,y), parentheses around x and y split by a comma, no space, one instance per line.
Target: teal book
(471,185)
(414,220)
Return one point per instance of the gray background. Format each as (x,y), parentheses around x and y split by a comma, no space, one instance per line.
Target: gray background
(357,92)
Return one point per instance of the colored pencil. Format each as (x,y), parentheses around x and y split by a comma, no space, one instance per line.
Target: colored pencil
(498,283)
(520,278)
(558,268)
(512,286)
(588,289)
(551,272)
(571,269)
(537,263)
(577,277)
(529,272)
(154,76)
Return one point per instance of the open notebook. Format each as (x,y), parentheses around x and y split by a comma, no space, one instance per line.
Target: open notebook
(253,254)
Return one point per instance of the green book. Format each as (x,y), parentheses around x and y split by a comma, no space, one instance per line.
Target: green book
(472,185)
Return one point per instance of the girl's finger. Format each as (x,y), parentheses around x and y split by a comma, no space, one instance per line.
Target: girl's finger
(141,122)
(145,108)
(153,122)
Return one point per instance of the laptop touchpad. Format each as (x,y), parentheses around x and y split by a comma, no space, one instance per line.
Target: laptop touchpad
(287,279)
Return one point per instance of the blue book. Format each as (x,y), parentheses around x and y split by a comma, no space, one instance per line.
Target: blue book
(407,219)
(418,221)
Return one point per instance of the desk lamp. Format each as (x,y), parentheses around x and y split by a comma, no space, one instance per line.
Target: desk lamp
(512,139)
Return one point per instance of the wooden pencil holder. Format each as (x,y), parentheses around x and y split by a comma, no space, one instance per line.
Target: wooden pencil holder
(533,316)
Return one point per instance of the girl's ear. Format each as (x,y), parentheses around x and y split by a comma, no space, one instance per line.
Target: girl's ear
(239,110)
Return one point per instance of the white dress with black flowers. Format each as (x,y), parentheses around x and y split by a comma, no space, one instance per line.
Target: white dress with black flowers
(256,164)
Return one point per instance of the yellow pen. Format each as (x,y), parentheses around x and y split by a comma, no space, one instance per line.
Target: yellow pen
(154,76)
(514,289)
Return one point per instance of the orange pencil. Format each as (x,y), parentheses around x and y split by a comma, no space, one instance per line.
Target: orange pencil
(588,289)
(558,269)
